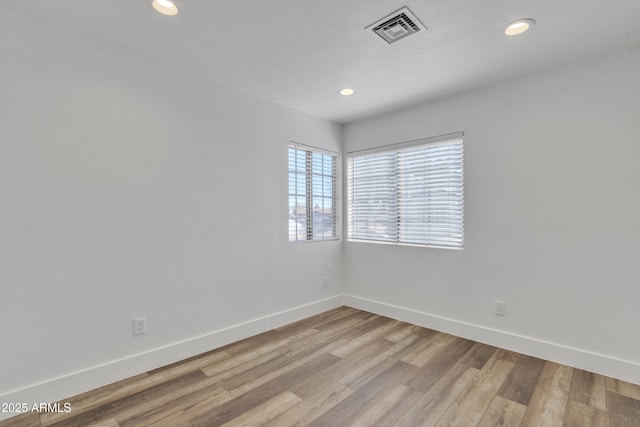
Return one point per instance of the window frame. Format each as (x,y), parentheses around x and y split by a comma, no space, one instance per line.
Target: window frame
(310,235)
(391,195)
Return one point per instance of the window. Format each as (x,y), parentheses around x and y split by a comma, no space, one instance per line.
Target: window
(312,194)
(409,193)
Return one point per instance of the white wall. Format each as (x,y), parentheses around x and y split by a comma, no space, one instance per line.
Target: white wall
(551,217)
(129,187)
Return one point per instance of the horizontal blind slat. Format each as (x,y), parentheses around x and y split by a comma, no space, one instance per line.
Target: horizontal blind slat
(413,195)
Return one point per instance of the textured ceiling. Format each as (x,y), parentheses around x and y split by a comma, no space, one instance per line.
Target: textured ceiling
(301,52)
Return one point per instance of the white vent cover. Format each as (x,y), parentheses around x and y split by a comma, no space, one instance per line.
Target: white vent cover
(397,25)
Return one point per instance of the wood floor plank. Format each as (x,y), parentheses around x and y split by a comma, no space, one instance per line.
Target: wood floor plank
(432,346)
(140,402)
(436,401)
(330,332)
(624,388)
(508,355)
(406,330)
(472,403)
(121,390)
(588,388)
(623,411)
(264,392)
(549,401)
(163,397)
(344,324)
(180,411)
(310,409)
(587,401)
(223,366)
(389,408)
(288,366)
(274,338)
(266,411)
(31,419)
(315,383)
(446,389)
(503,412)
(189,365)
(301,339)
(522,380)
(439,364)
(352,344)
(354,406)
(237,365)
(260,373)
(309,343)
(582,415)
(317,320)
(248,344)
(366,371)
(99,397)
(266,342)
(356,332)
(478,356)
(109,422)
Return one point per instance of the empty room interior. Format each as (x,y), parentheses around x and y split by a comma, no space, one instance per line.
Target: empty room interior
(340,213)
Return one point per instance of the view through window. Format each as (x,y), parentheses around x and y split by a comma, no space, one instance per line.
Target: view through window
(312,194)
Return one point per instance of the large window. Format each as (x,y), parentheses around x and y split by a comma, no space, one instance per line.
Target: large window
(410,193)
(312,194)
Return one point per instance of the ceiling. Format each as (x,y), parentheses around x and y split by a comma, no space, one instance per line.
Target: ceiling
(299,53)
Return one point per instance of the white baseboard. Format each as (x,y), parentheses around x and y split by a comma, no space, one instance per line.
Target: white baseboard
(578,358)
(57,389)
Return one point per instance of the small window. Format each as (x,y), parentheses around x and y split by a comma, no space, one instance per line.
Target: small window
(312,194)
(410,193)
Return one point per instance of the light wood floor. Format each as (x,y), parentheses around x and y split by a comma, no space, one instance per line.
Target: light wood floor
(347,367)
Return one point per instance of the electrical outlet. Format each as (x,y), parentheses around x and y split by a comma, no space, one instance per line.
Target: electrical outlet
(500,308)
(139,325)
(325,282)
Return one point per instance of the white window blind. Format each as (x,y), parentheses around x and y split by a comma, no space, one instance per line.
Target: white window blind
(408,193)
(312,194)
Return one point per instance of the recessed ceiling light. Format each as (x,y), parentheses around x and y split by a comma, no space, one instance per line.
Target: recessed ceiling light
(165,7)
(346,92)
(518,27)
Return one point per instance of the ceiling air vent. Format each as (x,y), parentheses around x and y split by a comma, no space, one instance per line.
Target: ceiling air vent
(397,25)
